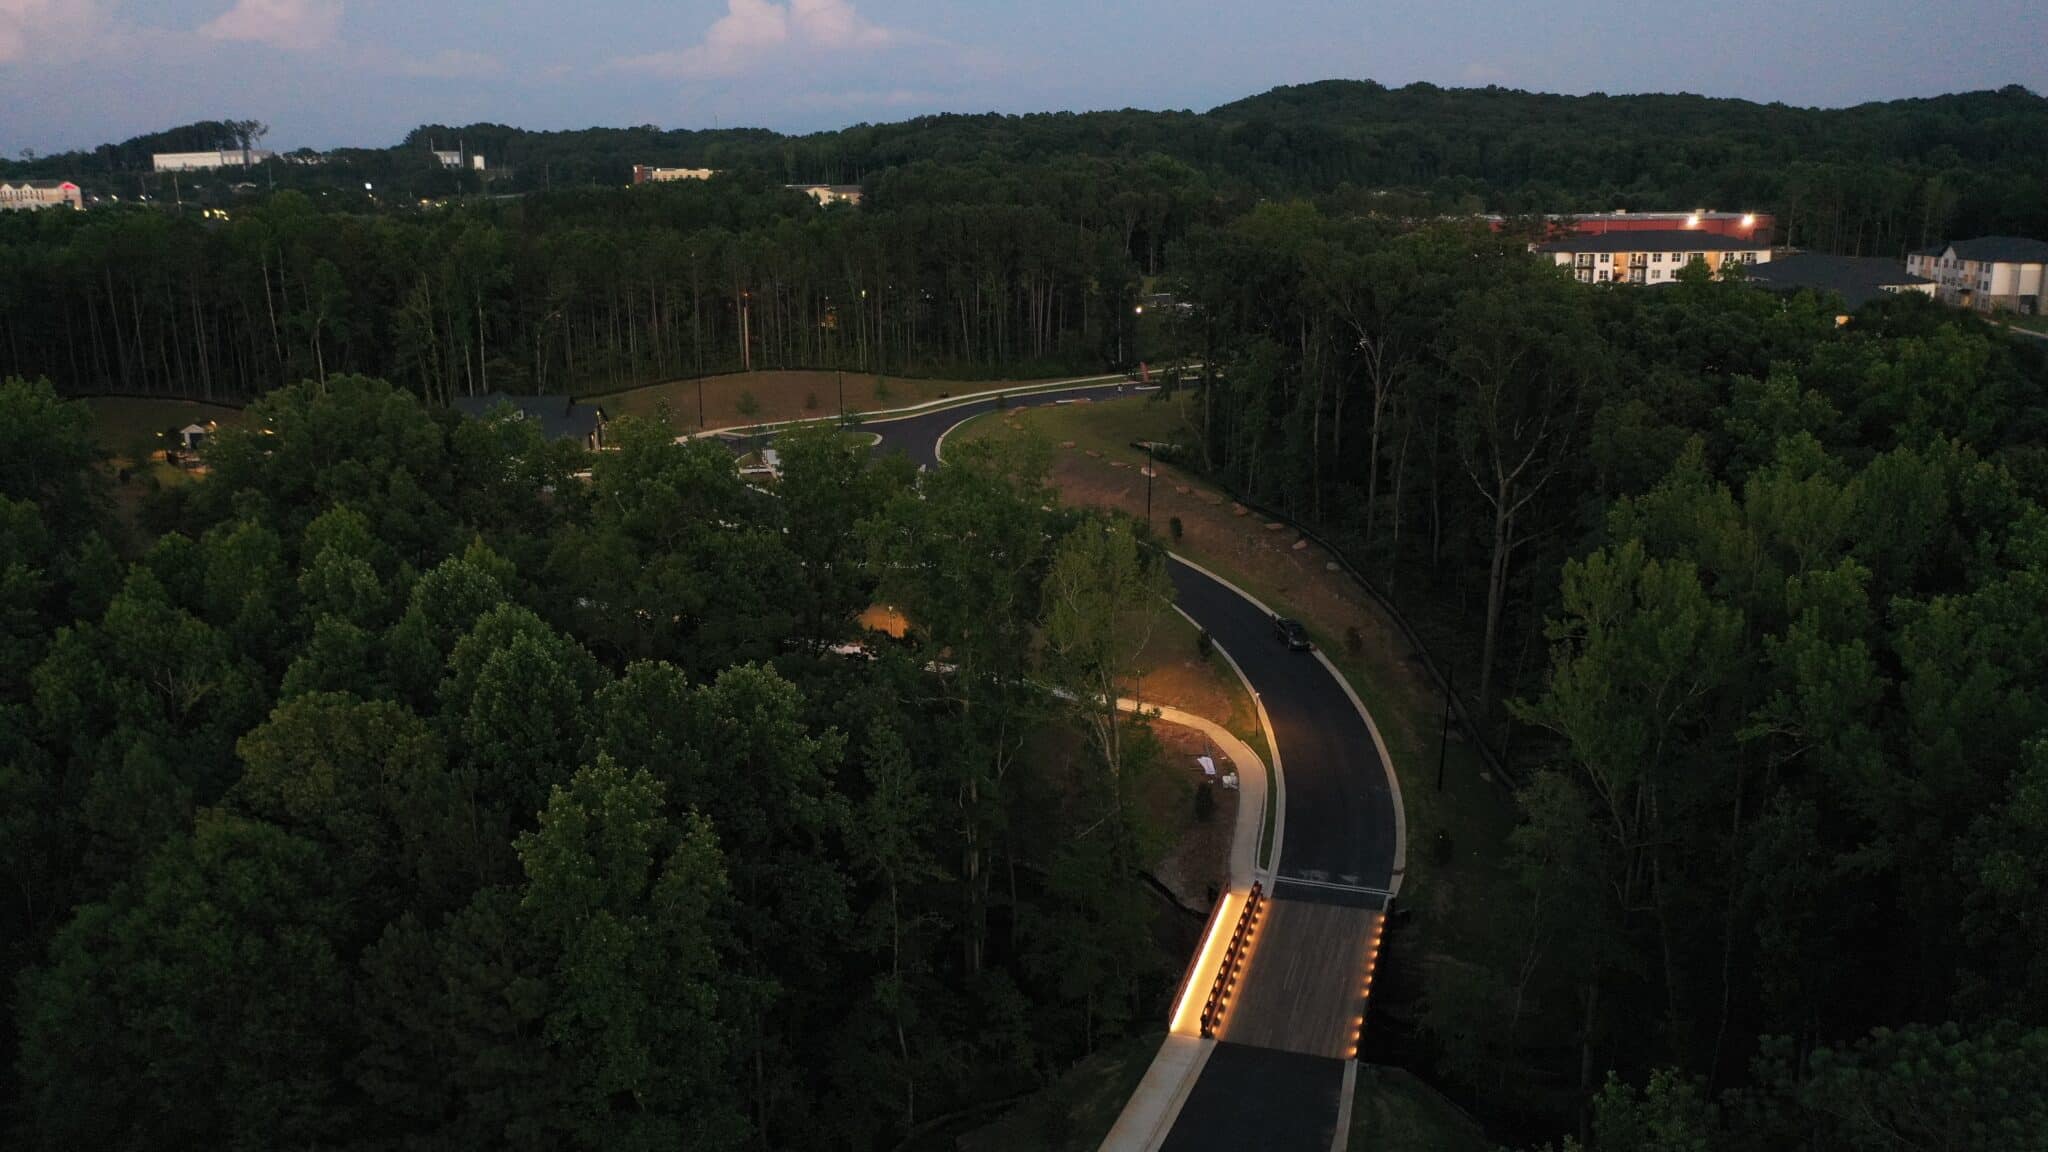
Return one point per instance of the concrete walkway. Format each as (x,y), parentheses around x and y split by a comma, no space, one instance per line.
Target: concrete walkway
(1148,1116)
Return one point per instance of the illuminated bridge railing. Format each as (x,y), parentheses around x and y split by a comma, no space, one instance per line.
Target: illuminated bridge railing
(1232,966)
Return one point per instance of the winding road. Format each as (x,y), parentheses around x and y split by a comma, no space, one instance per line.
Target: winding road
(1276,1078)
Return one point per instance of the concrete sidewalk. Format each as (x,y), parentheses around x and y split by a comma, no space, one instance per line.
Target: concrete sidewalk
(1149,1114)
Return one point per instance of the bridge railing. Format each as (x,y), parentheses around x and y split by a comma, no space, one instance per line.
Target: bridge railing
(1233,962)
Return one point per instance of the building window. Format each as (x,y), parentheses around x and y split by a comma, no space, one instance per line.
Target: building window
(1605,275)
(1656,257)
(1607,258)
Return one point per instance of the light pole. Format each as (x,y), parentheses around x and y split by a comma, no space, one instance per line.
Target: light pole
(1151,466)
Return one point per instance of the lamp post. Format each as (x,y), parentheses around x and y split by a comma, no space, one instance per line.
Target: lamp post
(1150,467)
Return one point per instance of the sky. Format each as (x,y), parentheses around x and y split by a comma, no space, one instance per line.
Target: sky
(322,73)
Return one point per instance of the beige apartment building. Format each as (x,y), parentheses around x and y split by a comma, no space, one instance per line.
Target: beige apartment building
(1649,257)
(1990,273)
(33,195)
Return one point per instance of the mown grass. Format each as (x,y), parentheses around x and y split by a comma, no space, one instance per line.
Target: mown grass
(124,424)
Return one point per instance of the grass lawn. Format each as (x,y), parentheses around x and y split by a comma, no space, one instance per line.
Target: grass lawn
(1456,836)
(1392,1111)
(122,423)
(781,396)
(1074,1112)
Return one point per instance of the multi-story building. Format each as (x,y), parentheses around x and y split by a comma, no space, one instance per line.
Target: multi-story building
(830,193)
(1990,273)
(205,161)
(1760,226)
(31,195)
(646,174)
(1650,257)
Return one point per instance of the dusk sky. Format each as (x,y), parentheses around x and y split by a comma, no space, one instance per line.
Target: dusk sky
(74,73)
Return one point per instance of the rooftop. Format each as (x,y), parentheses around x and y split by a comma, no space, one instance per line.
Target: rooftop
(1653,241)
(1858,280)
(2000,250)
(560,417)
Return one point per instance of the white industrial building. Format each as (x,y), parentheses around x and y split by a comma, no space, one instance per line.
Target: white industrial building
(207,161)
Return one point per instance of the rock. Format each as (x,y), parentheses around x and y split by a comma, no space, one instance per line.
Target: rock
(1300,545)
(1118,464)
(1330,567)
(1067,444)
(1181,488)
(1092,452)
(1274,525)
(1239,510)
(1212,499)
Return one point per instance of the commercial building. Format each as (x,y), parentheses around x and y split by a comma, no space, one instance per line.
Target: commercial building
(32,195)
(1856,279)
(1649,257)
(1759,226)
(830,193)
(646,174)
(206,161)
(1990,273)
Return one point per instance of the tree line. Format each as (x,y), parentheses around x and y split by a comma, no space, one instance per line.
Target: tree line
(1876,179)
(392,787)
(593,290)
(1752,604)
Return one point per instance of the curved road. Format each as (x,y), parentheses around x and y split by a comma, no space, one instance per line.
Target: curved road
(1339,845)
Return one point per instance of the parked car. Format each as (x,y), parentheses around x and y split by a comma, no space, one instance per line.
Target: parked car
(1292,634)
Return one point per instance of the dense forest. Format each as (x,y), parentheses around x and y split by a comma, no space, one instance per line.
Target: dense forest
(987,245)
(1755,604)
(394,788)
(389,788)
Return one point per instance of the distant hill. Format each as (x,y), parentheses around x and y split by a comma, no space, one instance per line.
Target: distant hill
(1875,179)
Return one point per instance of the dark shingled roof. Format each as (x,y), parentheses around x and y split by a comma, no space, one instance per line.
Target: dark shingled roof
(1672,240)
(1859,280)
(2002,250)
(560,417)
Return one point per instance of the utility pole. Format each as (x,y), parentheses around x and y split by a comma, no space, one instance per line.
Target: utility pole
(746,337)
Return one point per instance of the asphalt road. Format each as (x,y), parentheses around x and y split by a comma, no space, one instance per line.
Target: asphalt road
(1339,840)
(1338,845)
(918,436)
(1256,1098)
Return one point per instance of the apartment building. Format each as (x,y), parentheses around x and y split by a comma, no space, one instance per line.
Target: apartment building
(1760,226)
(830,193)
(1990,273)
(1649,256)
(33,195)
(647,174)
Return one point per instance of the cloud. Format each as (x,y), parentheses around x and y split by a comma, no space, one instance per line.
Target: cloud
(452,64)
(298,25)
(52,28)
(752,31)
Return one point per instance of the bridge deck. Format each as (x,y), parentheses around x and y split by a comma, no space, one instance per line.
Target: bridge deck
(1303,988)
